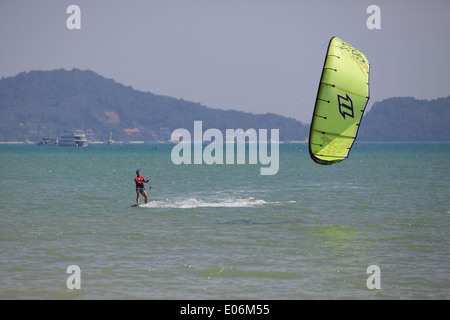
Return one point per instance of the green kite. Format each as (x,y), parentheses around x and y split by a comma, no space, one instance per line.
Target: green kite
(341,100)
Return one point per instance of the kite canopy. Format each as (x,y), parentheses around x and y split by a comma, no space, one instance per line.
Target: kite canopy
(342,97)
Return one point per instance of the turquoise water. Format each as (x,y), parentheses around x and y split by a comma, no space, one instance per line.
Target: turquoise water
(225,231)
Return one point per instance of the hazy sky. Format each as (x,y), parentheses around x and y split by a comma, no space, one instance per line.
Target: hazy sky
(252,55)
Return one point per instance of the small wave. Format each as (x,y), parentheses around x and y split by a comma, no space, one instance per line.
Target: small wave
(196,203)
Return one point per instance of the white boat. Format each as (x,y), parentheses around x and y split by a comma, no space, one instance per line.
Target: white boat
(74,138)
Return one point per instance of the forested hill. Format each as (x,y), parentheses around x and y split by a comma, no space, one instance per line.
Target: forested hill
(41,104)
(407,119)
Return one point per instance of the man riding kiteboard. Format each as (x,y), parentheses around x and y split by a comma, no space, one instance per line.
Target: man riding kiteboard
(140,189)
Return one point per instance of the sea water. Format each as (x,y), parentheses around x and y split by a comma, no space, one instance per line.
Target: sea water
(224,231)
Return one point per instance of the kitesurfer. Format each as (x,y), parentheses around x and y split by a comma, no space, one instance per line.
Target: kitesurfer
(140,189)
